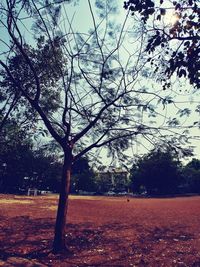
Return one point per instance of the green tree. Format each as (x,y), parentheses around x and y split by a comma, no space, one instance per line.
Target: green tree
(191,175)
(157,173)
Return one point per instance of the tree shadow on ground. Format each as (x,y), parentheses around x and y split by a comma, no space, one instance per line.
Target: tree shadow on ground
(91,245)
(21,236)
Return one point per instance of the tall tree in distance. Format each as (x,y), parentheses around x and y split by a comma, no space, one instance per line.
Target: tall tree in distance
(80,85)
(158,172)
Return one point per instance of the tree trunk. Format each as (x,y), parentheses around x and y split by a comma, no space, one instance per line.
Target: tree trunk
(59,244)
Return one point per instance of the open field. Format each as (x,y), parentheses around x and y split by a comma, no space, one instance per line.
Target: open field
(102,231)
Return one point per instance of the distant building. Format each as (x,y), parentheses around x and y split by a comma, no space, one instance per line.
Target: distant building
(32,192)
(113,179)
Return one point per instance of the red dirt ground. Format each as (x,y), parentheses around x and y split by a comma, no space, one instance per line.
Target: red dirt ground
(101,231)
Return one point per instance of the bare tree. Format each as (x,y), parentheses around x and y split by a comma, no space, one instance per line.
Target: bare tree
(82,86)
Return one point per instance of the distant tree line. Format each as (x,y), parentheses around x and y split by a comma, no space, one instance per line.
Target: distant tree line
(161,172)
(23,166)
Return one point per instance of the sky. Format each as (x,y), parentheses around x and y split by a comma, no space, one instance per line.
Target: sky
(81,21)
(184,94)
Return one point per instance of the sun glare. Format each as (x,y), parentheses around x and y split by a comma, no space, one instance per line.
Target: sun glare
(170,18)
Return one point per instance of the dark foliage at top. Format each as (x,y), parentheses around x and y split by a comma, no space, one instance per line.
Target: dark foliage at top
(173,36)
